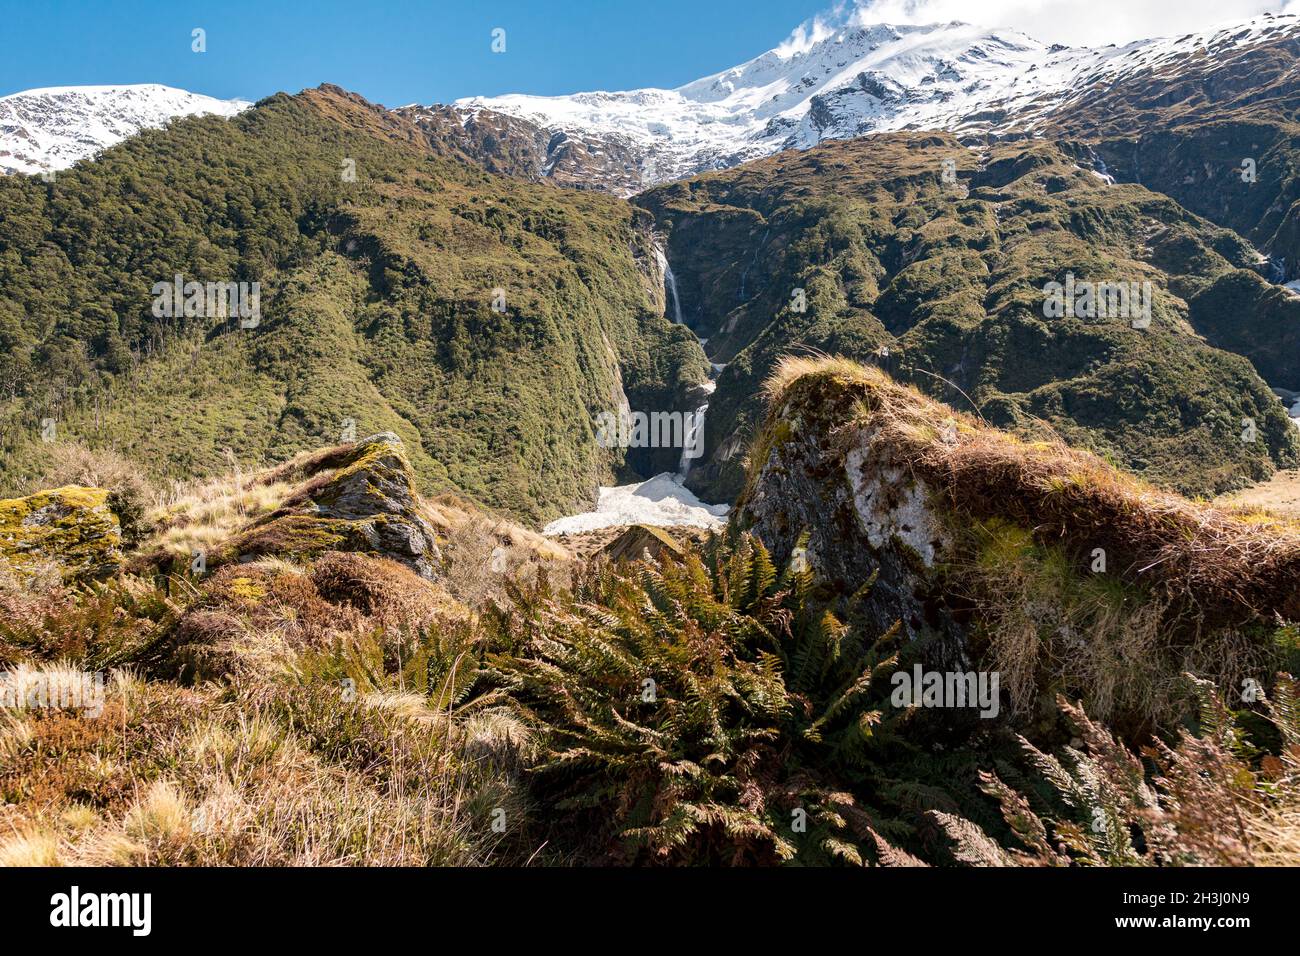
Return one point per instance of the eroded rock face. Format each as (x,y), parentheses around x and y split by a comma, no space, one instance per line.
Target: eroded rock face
(863,512)
(1039,562)
(73,527)
(368,503)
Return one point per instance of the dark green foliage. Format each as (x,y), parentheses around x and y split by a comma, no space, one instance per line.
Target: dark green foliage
(376,301)
(942,286)
(714,711)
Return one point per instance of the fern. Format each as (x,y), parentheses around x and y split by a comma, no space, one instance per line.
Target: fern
(689,697)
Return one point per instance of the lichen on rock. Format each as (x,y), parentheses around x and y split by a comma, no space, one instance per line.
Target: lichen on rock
(891,505)
(72,527)
(366,503)
(818,473)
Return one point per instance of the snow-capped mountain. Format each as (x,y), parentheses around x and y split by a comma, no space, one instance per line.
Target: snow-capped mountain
(848,81)
(861,78)
(52,128)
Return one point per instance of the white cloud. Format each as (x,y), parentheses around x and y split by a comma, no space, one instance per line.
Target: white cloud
(1073,22)
(807,34)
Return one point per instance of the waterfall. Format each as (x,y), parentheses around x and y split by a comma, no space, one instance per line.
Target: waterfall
(693,435)
(671,282)
(693,432)
(745,275)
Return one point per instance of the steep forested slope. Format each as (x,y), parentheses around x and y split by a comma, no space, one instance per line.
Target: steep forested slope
(379,265)
(863,248)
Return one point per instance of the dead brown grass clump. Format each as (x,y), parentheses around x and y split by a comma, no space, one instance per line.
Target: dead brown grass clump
(130,495)
(282,775)
(249,614)
(382,590)
(483,553)
(307,463)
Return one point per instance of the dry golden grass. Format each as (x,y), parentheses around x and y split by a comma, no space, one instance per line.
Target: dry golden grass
(1277,497)
(200,517)
(482,553)
(30,848)
(791,368)
(1275,835)
(283,773)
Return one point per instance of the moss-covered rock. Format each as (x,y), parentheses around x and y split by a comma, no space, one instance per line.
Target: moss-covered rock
(1037,561)
(72,527)
(640,541)
(366,503)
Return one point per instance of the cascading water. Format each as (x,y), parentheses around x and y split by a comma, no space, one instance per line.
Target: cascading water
(693,432)
(693,446)
(663,500)
(671,282)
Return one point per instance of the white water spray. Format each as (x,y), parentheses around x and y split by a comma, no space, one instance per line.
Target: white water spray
(671,282)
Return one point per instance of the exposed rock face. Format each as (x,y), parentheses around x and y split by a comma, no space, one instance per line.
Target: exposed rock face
(863,513)
(71,526)
(367,503)
(1035,560)
(518,146)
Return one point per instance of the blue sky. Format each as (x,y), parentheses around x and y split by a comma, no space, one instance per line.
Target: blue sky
(391,52)
(400,51)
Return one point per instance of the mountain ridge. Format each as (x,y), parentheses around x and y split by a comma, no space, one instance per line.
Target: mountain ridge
(51,128)
(861,78)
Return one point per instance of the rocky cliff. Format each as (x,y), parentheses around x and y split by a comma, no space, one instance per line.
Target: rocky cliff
(1042,562)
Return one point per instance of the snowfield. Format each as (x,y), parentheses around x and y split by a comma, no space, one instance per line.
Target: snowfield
(52,128)
(861,78)
(662,501)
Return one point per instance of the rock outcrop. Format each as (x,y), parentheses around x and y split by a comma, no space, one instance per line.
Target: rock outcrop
(1042,561)
(71,527)
(364,501)
(641,541)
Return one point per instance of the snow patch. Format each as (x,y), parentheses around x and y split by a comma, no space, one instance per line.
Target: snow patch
(662,502)
(856,79)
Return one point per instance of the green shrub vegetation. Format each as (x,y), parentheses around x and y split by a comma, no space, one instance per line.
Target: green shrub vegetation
(376,301)
(941,284)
